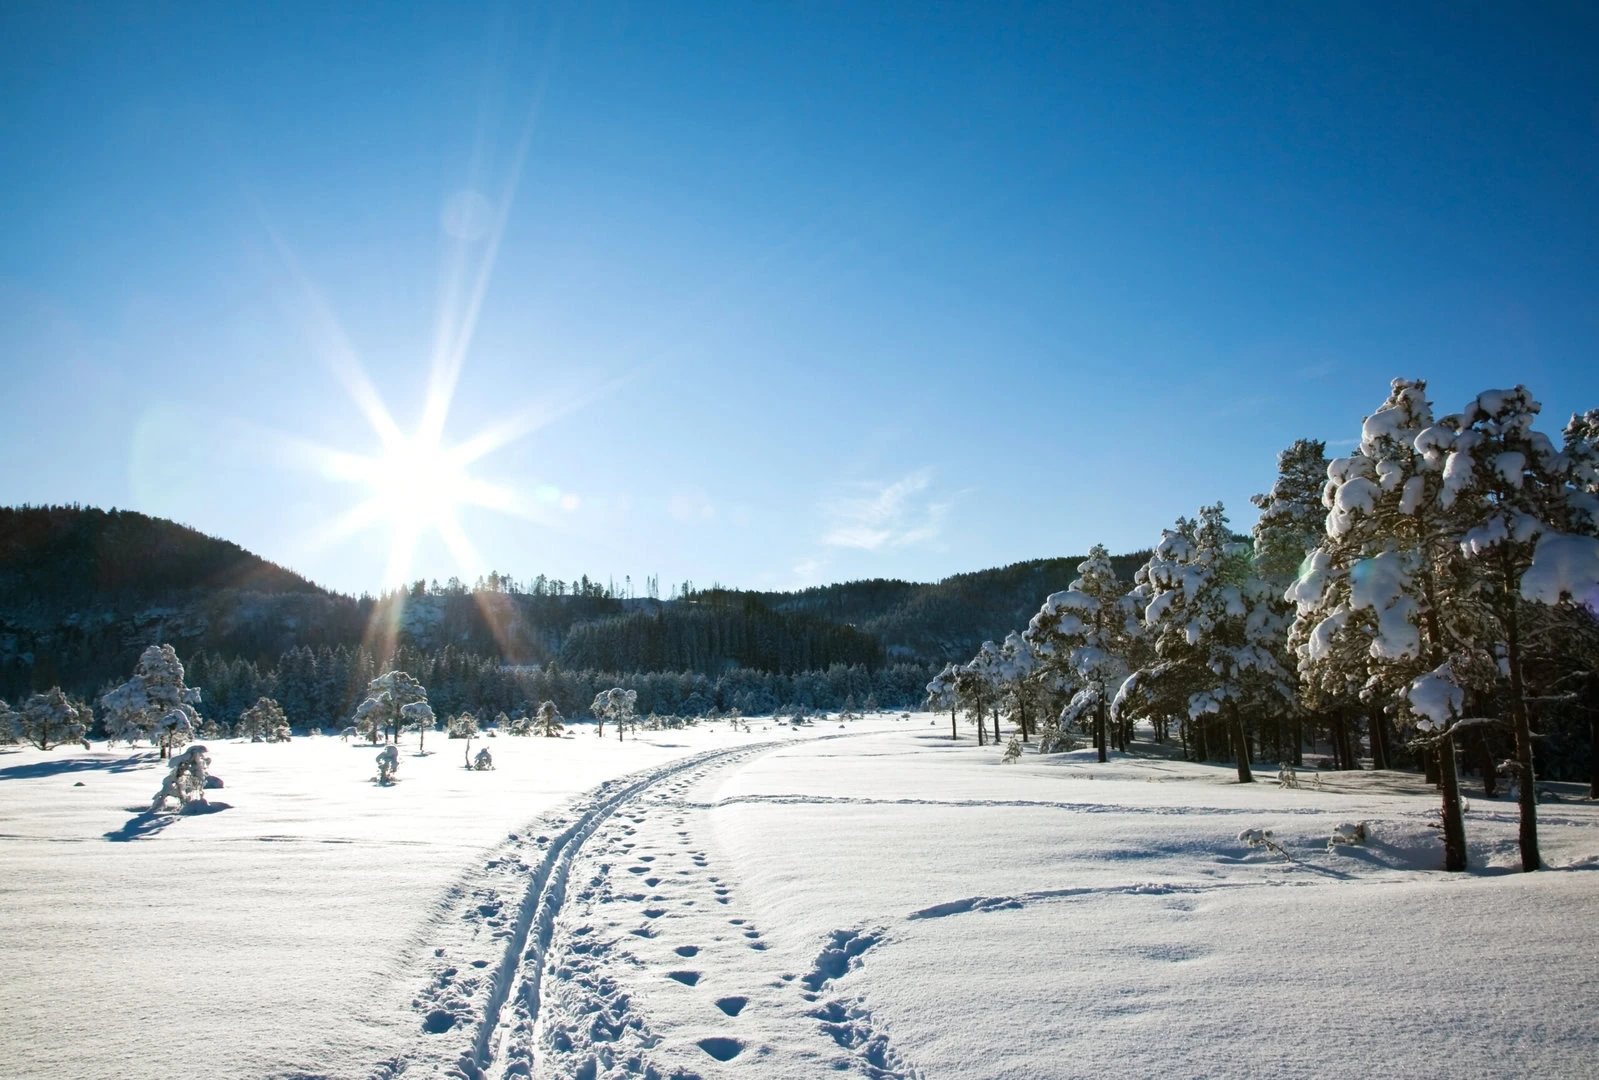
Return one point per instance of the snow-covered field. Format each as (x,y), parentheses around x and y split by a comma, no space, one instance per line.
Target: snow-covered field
(868,899)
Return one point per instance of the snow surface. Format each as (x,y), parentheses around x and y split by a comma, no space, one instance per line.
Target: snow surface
(881,902)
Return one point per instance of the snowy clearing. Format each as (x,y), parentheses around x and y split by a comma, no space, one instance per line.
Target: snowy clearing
(707,903)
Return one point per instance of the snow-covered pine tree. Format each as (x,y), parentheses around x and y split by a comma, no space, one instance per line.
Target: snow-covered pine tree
(616,705)
(154,704)
(1390,575)
(549,721)
(418,716)
(987,684)
(380,713)
(263,722)
(1529,530)
(49,719)
(1292,524)
(1018,662)
(941,695)
(1081,635)
(1217,637)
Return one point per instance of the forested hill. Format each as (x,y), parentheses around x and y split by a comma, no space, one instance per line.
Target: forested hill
(56,560)
(944,620)
(82,591)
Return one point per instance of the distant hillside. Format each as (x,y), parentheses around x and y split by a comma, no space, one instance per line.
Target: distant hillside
(82,591)
(949,619)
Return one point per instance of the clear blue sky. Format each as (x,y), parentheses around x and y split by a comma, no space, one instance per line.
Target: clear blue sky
(801,293)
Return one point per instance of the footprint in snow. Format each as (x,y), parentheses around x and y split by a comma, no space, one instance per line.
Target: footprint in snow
(732,1006)
(687,978)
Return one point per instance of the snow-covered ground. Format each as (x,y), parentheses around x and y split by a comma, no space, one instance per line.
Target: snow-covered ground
(870,899)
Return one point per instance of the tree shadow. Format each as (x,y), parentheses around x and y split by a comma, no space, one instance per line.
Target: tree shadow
(146,823)
(35,770)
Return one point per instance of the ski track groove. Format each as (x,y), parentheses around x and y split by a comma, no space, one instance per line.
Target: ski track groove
(500,994)
(516,980)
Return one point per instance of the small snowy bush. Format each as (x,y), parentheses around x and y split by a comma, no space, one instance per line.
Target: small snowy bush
(388,763)
(1286,777)
(1013,750)
(186,781)
(1347,833)
(483,760)
(463,726)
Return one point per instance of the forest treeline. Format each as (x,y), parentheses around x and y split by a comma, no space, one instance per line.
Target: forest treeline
(84,590)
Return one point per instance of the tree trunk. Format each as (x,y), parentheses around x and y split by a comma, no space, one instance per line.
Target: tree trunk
(1454,822)
(1593,736)
(954,727)
(1429,767)
(1021,712)
(1379,741)
(1201,751)
(1527,789)
(421,737)
(996,725)
(1485,762)
(1241,746)
(1099,730)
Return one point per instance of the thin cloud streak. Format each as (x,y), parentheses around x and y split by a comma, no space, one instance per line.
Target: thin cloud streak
(893,515)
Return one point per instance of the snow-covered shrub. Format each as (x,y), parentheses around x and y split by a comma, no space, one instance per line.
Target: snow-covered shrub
(1286,777)
(1347,833)
(388,763)
(154,704)
(1263,838)
(1013,750)
(483,760)
(463,726)
(186,780)
(1054,739)
(316,733)
(48,719)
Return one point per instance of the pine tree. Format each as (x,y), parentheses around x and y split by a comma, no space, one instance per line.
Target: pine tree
(1387,595)
(1081,636)
(941,695)
(263,722)
(1529,530)
(549,721)
(49,719)
(382,712)
(154,704)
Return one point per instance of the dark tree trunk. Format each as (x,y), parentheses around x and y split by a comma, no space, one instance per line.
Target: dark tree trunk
(1021,714)
(1485,762)
(1593,736)
(1201,751)
(1379,740)
(954,726)
(1099,730)
(1454,822)
(1527,789)
(996,725)
(1241,747)
(1429,767)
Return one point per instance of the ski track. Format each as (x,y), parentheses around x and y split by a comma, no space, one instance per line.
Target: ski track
(541,951)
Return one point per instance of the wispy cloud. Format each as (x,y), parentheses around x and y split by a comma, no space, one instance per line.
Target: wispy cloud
(870,516)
